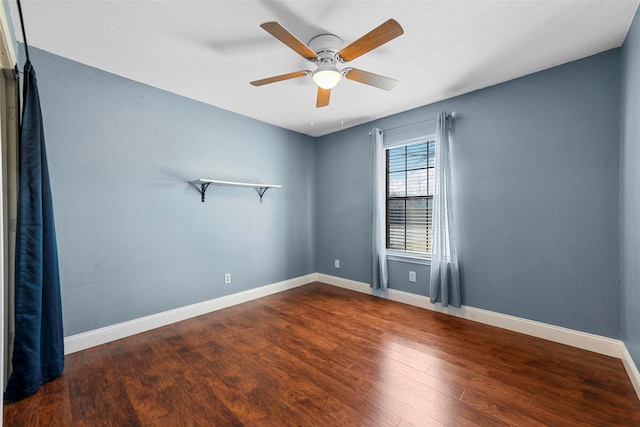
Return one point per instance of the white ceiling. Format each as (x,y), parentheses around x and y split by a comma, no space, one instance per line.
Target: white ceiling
(211,50)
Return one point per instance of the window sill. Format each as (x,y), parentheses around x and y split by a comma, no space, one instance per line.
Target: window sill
(408,257)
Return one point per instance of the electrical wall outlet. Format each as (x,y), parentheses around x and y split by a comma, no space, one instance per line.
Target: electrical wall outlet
(227,278)
(337,263)
(412,276)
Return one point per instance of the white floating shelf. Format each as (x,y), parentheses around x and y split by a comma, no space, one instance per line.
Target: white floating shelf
(204,184)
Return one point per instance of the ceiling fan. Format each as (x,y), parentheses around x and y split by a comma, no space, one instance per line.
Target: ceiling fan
(326,53)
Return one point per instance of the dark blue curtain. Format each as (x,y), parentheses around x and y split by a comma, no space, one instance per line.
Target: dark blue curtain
(38,353)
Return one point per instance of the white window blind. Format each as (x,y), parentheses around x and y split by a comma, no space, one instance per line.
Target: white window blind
(410,180)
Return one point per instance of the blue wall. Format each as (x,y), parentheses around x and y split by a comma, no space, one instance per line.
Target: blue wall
(536,197)
(134,238)
(630,191)
(536,191)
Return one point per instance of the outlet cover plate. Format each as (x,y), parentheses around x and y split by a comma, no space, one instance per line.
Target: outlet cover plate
(412,276)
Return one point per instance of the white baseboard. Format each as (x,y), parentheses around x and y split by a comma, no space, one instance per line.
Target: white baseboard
(632,370)
(586,341)
(104,335)
(344,283)
(583,340)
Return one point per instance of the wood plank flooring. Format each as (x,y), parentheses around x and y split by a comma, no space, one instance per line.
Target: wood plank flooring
(319,355)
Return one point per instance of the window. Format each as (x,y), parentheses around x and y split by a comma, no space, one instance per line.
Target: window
(409,196)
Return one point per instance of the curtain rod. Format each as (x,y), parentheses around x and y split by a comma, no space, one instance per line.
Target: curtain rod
(24,32)
(452,115)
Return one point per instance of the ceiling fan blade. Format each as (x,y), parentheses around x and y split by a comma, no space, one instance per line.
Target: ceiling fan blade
(323,97)
(281,33)
(371,79)
(279,78)
(383,33)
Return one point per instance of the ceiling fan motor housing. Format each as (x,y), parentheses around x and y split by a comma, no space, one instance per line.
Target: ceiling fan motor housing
(326,46)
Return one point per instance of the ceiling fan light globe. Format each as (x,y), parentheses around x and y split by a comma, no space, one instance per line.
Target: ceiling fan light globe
(327,78)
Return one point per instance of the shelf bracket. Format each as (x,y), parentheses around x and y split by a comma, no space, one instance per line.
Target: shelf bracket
(203,189)
(261,191)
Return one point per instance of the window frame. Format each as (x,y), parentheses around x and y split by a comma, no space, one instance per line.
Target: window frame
(397,254)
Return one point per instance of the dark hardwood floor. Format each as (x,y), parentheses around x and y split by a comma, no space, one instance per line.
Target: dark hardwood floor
(324,356)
